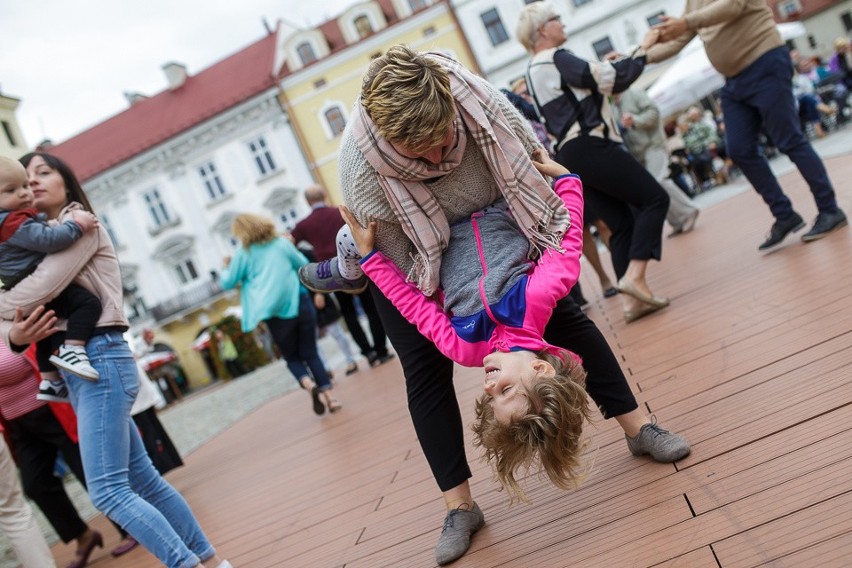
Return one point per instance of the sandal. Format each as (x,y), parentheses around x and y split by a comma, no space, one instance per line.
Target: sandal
(319,407)
(334,406)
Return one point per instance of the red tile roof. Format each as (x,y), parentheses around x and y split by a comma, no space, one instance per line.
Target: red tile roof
(154,120)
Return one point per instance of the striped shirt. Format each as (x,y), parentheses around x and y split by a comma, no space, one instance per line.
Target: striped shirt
(18,384)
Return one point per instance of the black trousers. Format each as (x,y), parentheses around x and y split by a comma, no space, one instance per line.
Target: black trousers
(82,309)
(37,438)
(621,192)
(432,399)
(350,316)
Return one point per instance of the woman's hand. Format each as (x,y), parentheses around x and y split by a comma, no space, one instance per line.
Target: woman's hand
(546,165)
(365,238)
(670,28)
(38,325)
(226,261)
(654,35)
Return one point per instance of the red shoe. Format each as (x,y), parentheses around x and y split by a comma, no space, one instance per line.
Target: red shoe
(125,546)
(84,553)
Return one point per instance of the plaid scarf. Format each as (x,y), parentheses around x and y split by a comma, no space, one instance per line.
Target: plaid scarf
(538,211)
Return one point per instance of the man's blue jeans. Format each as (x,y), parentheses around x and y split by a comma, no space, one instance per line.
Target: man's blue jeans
(762,96)
(123,483)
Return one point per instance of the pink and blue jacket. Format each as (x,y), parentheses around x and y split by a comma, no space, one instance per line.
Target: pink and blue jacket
(495,299)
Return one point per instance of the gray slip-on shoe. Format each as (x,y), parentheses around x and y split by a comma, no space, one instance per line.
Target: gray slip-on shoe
(662,445)
(459,526)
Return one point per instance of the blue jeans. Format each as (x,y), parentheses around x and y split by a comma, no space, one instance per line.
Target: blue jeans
(123,483)
(296,338)
(762,96)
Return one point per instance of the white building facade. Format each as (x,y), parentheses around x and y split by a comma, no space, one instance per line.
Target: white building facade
(594,28)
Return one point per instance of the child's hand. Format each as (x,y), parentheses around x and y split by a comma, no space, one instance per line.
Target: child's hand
(364,238)
(85,219)
(546,165)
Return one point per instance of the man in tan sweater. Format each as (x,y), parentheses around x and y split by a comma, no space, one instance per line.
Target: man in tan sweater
(744,45)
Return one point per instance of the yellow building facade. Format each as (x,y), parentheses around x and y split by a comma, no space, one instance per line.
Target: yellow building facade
(12,143)
(319,97)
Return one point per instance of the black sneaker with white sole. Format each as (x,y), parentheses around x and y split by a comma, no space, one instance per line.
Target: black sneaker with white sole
(73,358)
(52,391)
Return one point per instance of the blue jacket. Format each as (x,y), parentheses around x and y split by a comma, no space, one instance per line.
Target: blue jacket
(269,276)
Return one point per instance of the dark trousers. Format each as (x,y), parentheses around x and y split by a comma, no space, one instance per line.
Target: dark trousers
(82,309)
(296,339)
(234,367)
(761,97)
(37,438)
(622,193)
(432,399)
(350,316)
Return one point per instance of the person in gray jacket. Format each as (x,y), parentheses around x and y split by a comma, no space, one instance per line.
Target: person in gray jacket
(642,131)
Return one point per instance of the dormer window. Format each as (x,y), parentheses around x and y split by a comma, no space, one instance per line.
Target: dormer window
(363,26)
(306,53)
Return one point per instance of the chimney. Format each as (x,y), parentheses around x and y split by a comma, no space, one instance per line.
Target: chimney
(175,74)
(133,97)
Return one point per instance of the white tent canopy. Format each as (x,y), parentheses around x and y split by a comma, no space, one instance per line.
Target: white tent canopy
(691,77)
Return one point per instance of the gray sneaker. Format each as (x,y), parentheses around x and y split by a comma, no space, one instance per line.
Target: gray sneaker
(662,445)
(459,525)
(324,277)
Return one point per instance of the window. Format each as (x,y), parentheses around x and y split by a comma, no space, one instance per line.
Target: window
(602,47)
(211,180)
(134,304)
(157,208)
(581,2)
(789,9)
(319,83)
(417,4)
(655,19)
(186,271)
(289,218)
(429,30)
(846,18)
(363,26)
(336,121)
(306,53)
(7,128)
(104,220)
(530,1)
(261,155)
(494,26)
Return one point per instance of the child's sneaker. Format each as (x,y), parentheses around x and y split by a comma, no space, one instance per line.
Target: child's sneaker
(324,277)
(52,392)
(73,358)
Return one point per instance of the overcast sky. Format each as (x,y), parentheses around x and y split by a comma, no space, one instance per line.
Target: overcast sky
(70,62)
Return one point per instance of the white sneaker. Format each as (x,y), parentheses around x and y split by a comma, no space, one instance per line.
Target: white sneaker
(52,391)
(73,358)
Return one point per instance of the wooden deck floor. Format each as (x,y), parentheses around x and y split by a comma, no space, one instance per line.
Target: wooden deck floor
(752,362)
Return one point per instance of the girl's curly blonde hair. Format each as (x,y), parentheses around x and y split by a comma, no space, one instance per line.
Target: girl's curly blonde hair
(548,437)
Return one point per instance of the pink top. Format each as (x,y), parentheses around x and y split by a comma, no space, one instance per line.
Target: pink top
(551,279)
(18,384)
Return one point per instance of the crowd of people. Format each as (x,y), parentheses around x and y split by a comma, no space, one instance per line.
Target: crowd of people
(466,214)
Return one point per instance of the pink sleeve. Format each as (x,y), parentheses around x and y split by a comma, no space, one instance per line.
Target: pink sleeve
(556,273)
(422,311)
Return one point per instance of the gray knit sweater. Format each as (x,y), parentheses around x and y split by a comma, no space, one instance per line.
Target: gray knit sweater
(460,193)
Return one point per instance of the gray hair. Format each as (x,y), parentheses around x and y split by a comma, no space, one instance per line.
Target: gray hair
(533,16)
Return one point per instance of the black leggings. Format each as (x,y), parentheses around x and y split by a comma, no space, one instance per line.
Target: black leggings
(38,437)
(432,399)
(622,192)
(350,316)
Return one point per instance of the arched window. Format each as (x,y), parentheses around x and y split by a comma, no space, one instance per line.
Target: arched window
(363,25)
(335,119)
(306,53)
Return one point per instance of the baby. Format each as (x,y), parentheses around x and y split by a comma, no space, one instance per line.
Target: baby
(25,239)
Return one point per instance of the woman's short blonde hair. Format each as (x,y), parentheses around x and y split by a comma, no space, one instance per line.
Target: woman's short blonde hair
(533,16)
(251,229)
(547,438)
(408,96)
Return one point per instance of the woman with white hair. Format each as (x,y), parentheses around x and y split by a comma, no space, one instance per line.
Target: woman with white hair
(572,95)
